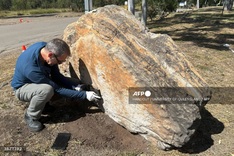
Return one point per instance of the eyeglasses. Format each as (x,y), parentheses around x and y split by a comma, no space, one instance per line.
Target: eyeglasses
(59,61)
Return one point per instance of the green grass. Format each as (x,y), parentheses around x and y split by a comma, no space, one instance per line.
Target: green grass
(31,12)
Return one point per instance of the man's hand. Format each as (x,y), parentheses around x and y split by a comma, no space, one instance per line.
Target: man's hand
(92,96)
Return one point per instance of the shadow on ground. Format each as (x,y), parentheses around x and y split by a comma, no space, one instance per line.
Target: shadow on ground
(198,27)
(201,141)
(67,110)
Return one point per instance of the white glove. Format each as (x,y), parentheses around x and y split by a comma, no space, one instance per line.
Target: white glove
(92,96)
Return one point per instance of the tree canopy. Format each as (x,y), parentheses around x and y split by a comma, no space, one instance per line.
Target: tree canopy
(154,7)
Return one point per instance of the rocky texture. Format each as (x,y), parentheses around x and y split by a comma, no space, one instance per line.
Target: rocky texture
(112,51)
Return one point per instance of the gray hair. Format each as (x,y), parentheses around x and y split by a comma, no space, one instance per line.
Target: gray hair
(58,47)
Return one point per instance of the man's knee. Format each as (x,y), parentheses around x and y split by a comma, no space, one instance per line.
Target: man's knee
(48,90)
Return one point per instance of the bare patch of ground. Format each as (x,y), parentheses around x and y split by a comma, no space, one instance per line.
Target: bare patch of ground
(200,35)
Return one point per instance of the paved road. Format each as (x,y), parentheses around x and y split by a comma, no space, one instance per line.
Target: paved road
(32,30)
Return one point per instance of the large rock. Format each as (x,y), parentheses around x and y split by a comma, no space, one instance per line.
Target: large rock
(112,51)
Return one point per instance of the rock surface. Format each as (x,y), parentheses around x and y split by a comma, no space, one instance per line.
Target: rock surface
(113,52)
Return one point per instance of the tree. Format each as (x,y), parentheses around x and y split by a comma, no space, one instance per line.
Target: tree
(227,5)
(5,4)
(77,5)
(198,4)
(144,12)
(19,4)
(161,7)
(131,6)
(64,3)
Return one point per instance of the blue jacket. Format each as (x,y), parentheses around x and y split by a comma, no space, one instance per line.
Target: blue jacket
(29,69)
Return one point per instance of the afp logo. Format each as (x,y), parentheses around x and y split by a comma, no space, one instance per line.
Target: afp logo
(146,93)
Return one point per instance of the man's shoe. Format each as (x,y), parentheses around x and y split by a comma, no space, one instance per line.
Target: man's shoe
(33,125)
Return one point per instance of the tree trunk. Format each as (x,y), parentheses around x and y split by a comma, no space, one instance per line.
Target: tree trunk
(144,12)
(131,6)
(206,3)
(198,5)
(88,5)
(227,5)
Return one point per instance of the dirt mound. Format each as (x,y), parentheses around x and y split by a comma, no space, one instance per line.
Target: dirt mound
(93,128)
(100,132)
(91,131)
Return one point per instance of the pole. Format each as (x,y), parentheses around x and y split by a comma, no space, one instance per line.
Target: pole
(131,6)
(88,5)
(198,5)
(144,12)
